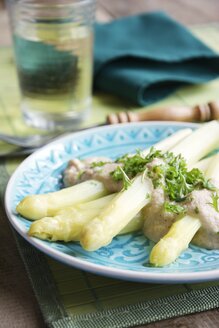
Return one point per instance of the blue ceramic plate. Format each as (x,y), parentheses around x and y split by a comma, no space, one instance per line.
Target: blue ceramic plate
(127,256)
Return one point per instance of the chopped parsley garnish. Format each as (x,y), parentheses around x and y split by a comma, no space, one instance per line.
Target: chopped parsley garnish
(174,208)
(214,203)
(171,173)
(179,182)
(133,165)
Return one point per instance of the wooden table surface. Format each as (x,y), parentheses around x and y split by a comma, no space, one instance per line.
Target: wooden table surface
(17,301)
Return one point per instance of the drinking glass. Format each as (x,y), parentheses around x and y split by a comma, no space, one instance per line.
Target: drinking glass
(53,43)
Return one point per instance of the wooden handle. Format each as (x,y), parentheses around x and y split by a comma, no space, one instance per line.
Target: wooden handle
(199,113)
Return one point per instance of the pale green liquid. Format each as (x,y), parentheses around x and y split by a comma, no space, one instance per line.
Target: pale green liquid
(54,64)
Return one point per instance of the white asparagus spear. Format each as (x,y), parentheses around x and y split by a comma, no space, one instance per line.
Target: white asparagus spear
(212,172)
(100,231)
(169,142)
(199,143)
(175,241)
(35,207)
(202,164)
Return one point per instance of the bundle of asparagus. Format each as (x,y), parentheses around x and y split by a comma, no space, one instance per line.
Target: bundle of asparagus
(82,213)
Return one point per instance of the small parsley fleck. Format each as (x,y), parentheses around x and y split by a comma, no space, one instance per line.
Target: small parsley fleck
(214,203)
(174,208)
(196,210)
(148,196)
(98,164)
(80,173)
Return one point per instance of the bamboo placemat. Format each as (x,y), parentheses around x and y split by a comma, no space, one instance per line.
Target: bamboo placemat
(72,298)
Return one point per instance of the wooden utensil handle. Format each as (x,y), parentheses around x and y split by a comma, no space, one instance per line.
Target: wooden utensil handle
(199,113)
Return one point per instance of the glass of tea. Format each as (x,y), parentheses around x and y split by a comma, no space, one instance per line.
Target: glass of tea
(53,46)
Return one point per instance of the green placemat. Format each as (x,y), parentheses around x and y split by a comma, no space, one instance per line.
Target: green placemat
(72,298)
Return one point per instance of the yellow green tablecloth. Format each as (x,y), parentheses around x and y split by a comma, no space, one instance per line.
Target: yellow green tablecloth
(72,298)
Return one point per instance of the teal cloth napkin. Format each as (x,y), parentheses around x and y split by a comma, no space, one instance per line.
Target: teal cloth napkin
(146,57)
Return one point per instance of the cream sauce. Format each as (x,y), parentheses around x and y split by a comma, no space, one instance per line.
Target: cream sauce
(78,171)
(158,222)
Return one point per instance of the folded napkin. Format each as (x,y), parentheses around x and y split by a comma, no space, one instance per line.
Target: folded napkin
(146,57)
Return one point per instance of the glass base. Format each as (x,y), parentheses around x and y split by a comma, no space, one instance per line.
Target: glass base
(49,121)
